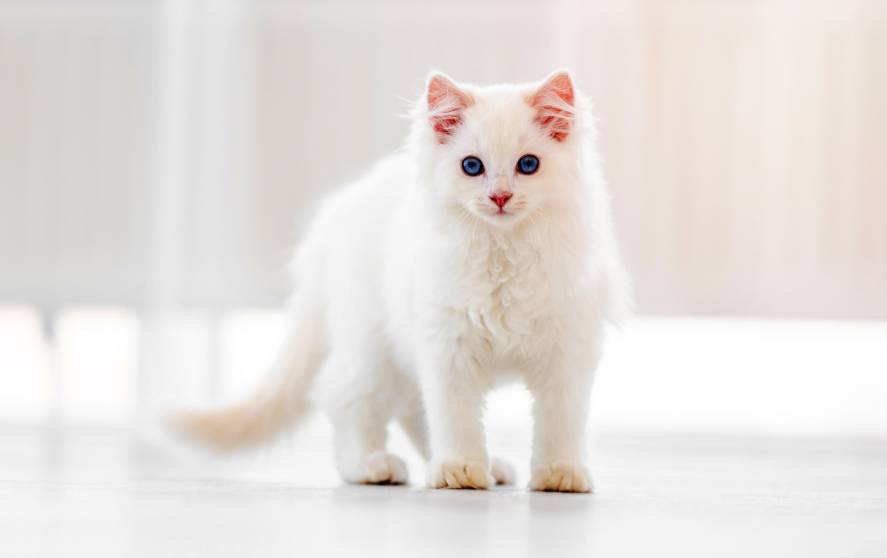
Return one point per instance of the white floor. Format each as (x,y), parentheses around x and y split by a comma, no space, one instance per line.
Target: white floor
(807,478)
(108,493)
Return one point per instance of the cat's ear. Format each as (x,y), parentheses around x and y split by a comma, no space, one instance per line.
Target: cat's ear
(446,103)
(554,103)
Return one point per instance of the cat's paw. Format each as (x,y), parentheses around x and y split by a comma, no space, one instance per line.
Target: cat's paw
(458,473)
(561,476)
(502,471)
(379,468)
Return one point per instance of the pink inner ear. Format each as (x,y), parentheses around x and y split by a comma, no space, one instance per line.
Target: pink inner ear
(445,105)
(553,102)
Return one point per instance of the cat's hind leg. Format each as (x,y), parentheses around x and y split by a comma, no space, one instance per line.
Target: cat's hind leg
(360,438)
(414,423)
(502,471)
(361,401)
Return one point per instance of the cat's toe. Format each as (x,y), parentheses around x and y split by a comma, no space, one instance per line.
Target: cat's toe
(457,473)
(381,468)
(561,476)
(502,471)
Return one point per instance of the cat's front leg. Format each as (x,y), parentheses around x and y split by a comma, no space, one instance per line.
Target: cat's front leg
(561,393)
(453,390)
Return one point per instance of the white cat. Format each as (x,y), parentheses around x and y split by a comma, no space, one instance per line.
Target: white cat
(479,254)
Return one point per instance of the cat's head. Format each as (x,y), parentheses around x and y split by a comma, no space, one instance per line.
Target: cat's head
(499,153)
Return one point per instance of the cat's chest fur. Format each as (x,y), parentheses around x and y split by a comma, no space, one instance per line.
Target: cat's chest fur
(501,295)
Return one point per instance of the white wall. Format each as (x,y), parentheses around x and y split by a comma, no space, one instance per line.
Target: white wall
(167,150)
(158,156)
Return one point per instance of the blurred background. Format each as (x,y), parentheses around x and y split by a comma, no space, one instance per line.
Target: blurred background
(157,158)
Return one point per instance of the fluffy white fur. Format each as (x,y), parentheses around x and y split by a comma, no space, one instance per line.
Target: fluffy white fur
(414,295)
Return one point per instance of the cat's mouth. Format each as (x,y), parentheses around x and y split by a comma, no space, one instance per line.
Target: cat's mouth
(495,215)
(498,211)
(500,214)
(509,210)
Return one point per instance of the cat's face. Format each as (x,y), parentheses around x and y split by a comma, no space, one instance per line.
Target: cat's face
(500,153)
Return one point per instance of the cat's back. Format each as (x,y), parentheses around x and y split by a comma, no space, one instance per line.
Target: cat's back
(367,201)
(347,236)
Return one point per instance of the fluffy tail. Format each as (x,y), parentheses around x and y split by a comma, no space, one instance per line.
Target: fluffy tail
(275,407)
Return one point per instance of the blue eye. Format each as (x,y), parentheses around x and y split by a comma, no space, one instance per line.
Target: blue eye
(528,164)
(472,166)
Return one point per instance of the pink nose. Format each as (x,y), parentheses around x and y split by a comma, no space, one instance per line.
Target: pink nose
(501,198)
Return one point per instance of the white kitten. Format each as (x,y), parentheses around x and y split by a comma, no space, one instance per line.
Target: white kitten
(481,253)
